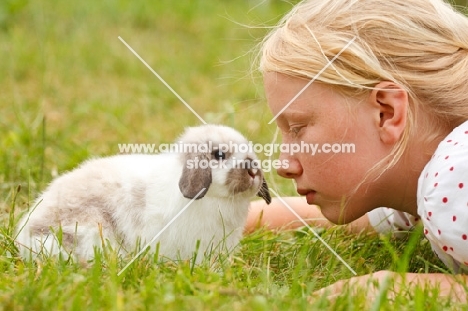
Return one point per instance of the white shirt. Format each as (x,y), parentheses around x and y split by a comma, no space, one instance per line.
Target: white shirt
(442,200)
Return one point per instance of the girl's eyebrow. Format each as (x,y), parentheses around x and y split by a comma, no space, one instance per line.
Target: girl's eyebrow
(296,114)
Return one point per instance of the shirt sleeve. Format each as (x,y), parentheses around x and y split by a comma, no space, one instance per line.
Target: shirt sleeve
(387,220)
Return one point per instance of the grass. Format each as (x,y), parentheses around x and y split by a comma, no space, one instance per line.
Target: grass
(70,90)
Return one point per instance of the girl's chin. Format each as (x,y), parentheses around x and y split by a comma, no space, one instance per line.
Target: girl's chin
(336,214)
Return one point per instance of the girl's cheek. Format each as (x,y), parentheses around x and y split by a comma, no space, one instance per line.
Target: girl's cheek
(285,138)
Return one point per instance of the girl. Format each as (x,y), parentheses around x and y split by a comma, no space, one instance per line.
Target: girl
(391,77)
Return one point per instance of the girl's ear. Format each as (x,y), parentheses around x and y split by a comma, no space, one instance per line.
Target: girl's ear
(392,102)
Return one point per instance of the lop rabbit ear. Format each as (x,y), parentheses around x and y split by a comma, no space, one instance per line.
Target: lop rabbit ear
(264,193)
(194,178)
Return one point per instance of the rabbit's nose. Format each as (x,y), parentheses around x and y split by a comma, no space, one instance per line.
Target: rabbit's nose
(251,169)
(252,172)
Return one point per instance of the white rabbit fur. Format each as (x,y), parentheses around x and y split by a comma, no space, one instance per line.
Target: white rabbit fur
(127,199)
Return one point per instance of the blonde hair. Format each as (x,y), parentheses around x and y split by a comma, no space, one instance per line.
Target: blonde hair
(422,45)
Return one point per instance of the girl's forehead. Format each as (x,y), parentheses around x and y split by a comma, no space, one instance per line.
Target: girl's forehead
(285,84)
(283,90)
(281,79)
(316,101)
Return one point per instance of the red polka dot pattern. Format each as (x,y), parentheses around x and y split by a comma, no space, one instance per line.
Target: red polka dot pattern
(443,199)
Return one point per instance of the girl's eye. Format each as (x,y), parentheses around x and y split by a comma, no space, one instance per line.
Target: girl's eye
(294,131)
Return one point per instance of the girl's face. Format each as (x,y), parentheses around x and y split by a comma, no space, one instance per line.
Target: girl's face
(334,124)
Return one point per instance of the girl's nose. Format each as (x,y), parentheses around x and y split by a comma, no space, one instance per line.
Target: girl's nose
(291,169)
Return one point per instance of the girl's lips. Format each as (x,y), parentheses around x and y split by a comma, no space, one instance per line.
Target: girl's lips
(310,197)
(309,194)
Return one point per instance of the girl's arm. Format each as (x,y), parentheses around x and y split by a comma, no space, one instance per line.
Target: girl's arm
(448,285)
(276,216)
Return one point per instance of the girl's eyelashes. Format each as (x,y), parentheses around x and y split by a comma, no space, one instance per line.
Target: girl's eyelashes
(295,130)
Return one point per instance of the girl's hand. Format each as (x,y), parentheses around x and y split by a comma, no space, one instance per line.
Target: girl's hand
(389,283)
(373,284)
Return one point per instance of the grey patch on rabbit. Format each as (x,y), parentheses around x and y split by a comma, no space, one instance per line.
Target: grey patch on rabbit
(193,180)
(92,206)
(67,239)
(238,180)
(127,199)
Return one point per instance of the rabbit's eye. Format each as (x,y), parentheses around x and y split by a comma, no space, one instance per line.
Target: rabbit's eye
(219,155)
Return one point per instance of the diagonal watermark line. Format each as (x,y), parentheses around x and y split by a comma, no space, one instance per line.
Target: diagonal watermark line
(161,231)
(162,80)
(315,233)
(312,81)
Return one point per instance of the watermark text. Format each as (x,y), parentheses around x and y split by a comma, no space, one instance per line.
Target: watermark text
(231,147)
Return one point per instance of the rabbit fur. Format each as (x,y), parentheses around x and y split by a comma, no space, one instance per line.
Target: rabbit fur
(125,200)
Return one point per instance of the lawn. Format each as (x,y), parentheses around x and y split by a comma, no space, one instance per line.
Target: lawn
(71,90)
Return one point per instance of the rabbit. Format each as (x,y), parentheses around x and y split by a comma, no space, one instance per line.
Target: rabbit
(125,200)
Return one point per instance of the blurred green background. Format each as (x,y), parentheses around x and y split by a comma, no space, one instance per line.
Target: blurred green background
(70,89)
